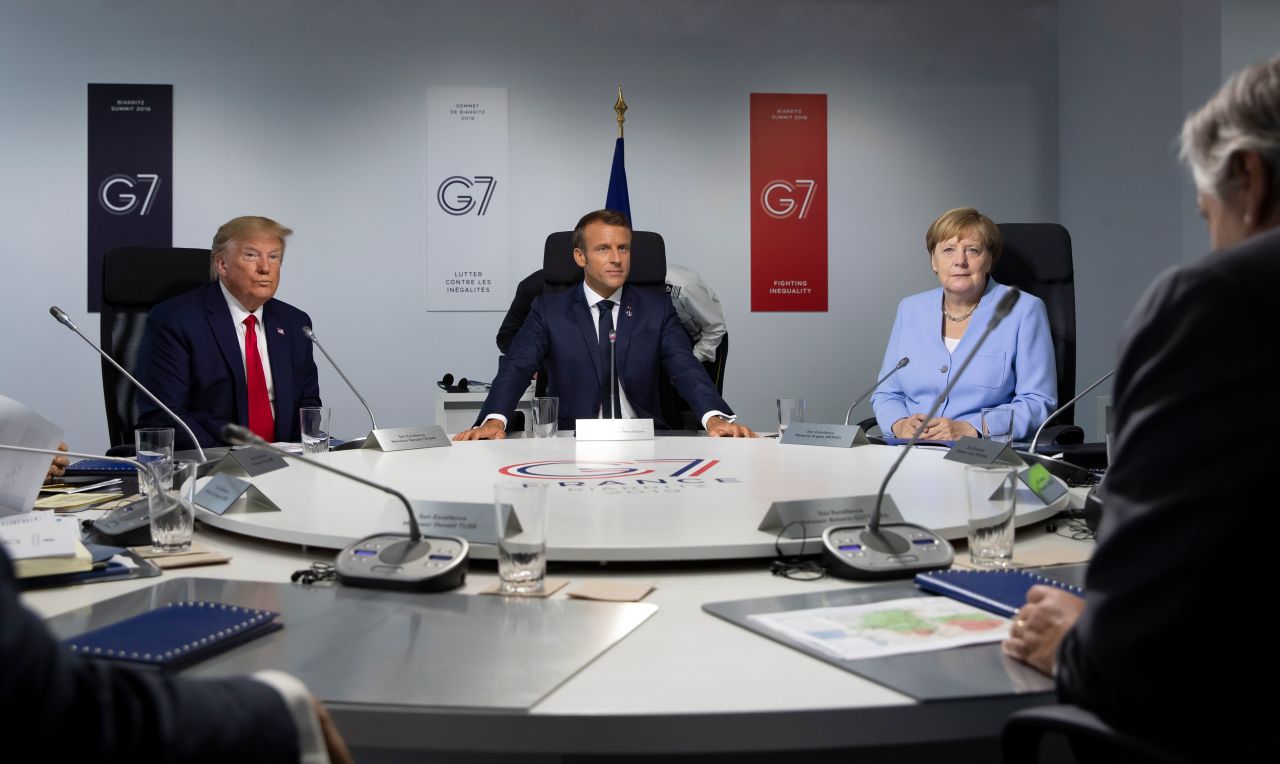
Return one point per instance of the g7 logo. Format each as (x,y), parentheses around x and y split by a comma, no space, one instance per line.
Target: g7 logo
(777,200)
(461,203)
(120,201)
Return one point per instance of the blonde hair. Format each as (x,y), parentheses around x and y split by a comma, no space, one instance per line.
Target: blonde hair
(241,228)
(952,223)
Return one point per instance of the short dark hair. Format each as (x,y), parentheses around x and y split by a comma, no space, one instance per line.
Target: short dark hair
(608,217)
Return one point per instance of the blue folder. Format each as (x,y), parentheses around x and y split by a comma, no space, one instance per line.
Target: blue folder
(997,591)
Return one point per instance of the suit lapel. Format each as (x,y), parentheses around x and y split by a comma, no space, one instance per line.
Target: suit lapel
(281,376)
(582,316)
(219,317)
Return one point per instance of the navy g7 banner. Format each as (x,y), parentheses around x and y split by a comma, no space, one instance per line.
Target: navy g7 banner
(130,172)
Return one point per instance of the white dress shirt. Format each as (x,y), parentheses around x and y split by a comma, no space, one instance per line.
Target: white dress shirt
(238,314)
(593,302)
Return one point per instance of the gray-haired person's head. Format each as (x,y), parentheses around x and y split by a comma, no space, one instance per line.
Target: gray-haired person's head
(1244,115)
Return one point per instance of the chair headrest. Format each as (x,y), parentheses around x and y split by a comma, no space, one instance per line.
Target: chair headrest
(140,277)
(648,259)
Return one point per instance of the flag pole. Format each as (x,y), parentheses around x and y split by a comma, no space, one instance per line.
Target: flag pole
(620,106)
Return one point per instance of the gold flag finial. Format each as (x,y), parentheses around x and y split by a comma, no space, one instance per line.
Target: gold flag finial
(621,108)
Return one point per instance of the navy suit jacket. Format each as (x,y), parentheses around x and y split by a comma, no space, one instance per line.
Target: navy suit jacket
(560,336)
(191,360)
(118,713)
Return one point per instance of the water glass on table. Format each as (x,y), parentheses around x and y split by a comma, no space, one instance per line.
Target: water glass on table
(993,500)
(546,417)
(314,423)
(151,445)
(172,509)
(789,410)
(521,514)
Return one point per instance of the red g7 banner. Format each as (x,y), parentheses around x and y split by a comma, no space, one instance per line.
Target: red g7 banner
(788,202)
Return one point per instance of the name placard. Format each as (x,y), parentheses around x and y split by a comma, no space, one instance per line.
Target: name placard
(222,491)
(830,435)
(474,521)
(807,518)
(613,429)
(1042,484)
(249,461)
(983,453)
(407,438)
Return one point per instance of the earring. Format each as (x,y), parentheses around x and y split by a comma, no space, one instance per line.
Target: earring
(1248,219)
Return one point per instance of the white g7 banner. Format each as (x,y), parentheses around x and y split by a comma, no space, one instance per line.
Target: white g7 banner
(467,238)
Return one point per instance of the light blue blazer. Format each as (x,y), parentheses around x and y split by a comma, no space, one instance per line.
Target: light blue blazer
(1014,368)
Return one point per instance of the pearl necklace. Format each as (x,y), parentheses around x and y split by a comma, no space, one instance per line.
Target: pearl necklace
(957,319)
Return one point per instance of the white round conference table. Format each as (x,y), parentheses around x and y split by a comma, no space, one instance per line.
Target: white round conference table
(666,499)
(682,682)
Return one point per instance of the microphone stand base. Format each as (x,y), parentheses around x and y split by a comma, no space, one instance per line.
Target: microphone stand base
(396,562)
(898,550)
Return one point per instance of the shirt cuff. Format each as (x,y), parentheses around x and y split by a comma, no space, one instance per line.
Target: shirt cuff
(707,416)
(296,697)
(499,417)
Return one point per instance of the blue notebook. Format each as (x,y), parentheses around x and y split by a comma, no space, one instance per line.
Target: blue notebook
(997,591)
(175,635)
(98,467)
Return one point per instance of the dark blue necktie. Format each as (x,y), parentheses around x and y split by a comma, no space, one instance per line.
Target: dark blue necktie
(608,402)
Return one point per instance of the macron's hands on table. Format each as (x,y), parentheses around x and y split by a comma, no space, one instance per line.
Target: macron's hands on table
(490,429)
(717,427)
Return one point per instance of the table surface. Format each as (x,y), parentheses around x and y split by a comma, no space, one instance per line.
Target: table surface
(683,681)
(664,499)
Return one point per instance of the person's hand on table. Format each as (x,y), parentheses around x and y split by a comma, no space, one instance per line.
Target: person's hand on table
(337,747)
(1039,626)
(906,427)
(719,427)
(59,465)
(948,429)
(492,429)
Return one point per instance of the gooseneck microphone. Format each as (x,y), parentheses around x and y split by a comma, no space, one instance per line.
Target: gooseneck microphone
(902,362)
(1064,407)
(384,560)
(1002,309)
(615,406)
(311,335)
(239,435)
(66,321)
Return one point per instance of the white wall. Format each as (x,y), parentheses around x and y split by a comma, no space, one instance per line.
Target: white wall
(1250,32)
(312,113)
(1128,73)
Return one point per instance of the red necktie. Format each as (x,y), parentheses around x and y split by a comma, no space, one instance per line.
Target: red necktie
(260,419)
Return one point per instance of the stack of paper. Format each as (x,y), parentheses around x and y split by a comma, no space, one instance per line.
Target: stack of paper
(42,544)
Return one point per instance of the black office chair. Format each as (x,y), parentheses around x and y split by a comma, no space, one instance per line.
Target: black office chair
(134,280)
(1090,737)
(648,262)
(1036,258)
